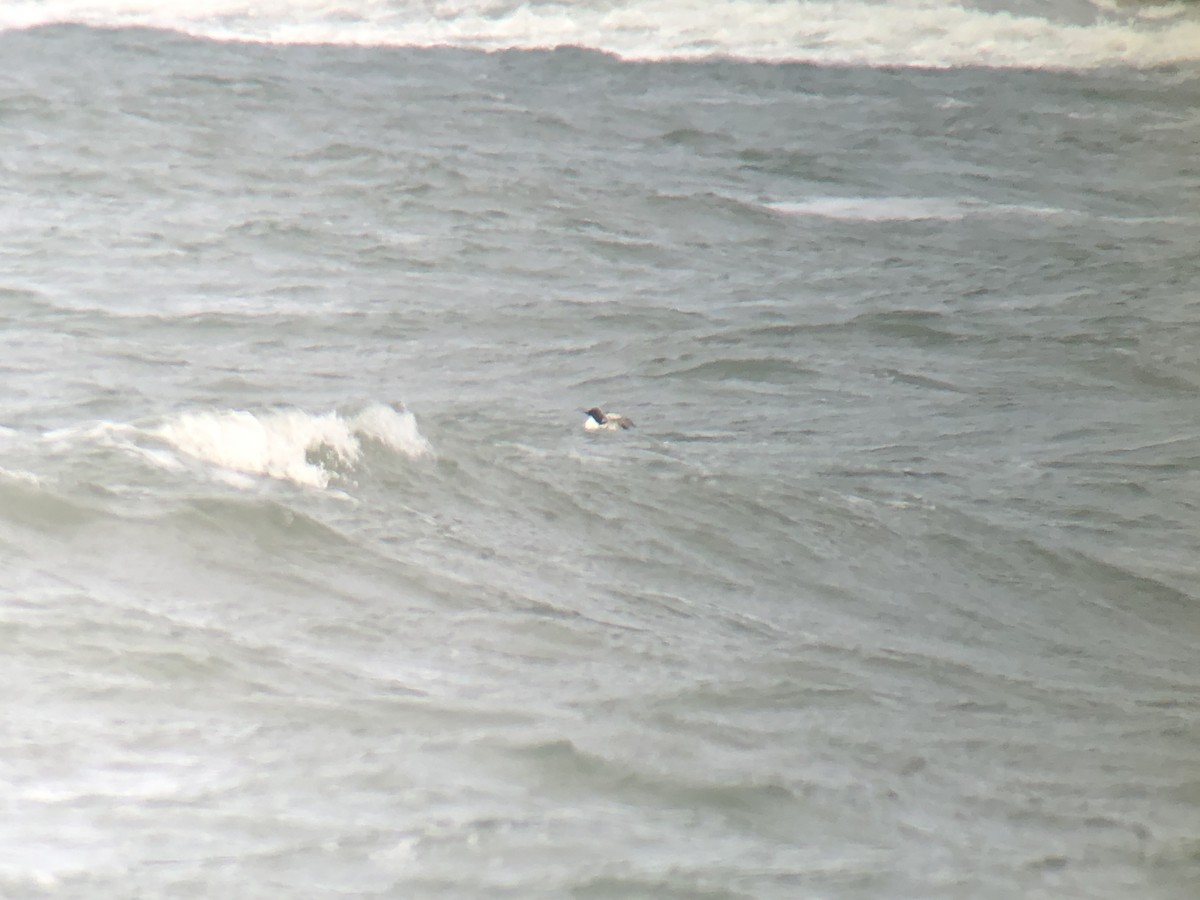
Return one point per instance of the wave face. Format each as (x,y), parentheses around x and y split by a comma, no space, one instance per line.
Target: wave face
(1070,34)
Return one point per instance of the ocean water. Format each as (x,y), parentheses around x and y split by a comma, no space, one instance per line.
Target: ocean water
(313,585)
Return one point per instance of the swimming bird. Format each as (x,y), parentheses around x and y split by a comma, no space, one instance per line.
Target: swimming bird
(598,420)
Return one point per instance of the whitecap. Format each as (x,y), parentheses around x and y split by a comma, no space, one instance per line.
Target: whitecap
(904,209)
(925,33)
(395,428)
(20,476)
(304,448)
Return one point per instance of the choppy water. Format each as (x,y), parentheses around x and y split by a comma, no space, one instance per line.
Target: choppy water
(314,586)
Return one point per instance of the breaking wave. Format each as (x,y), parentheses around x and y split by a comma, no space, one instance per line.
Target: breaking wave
(1074,34)
(291,444)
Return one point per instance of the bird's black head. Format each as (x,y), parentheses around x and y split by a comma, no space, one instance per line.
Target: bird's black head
(596,413)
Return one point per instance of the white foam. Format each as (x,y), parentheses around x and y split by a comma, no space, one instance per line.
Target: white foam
(933,33)
(102,432)
(904,209)
(21,477)
(872,209)
(289,444)
(395,429)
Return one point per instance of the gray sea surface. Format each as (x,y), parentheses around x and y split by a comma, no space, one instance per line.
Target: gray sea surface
(313,584)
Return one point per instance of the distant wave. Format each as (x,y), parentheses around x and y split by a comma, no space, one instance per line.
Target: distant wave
(926,33)
(944,209)
(904,209)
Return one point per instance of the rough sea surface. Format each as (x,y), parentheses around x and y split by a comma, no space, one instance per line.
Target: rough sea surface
(312,584)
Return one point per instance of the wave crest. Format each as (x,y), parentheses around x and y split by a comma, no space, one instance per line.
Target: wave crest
(291,444)
(923,33)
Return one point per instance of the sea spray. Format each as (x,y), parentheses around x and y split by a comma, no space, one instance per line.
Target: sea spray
(290,444)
